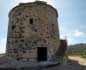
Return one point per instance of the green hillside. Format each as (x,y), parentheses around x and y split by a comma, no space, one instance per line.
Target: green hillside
(78,49)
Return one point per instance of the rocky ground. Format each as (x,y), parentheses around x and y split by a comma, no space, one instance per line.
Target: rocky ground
(71,64)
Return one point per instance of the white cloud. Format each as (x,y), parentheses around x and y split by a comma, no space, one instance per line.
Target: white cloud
(78,33)
(70,40)
(2,45)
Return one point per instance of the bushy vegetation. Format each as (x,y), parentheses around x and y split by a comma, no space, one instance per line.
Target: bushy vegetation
(79,49)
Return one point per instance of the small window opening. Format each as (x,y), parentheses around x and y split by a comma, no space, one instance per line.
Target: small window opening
(13,27)
(31,21)
(22,40)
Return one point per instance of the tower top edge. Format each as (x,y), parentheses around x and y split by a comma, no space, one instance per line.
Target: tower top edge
(38,2)
(32,3)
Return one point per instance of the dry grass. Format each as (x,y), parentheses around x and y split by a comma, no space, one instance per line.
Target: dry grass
(80,60)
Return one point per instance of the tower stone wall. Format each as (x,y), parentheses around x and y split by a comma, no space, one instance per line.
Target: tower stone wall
(32,25)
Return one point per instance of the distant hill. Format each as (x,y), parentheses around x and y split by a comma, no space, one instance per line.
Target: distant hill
(77,49)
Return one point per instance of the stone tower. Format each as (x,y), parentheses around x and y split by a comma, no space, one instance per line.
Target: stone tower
(33,33)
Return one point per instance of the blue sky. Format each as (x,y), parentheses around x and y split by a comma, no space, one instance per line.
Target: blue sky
(72,19)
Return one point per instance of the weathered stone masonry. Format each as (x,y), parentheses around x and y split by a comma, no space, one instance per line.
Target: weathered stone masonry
(33,27)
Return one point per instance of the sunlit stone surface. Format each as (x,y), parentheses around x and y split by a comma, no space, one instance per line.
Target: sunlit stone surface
(33,33)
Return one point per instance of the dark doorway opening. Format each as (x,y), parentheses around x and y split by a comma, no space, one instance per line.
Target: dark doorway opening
(42,53)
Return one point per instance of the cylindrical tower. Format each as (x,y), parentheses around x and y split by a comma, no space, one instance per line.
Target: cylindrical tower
(33,33)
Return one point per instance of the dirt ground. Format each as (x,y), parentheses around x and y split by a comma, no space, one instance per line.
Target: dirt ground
(74,63)
(80,60)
